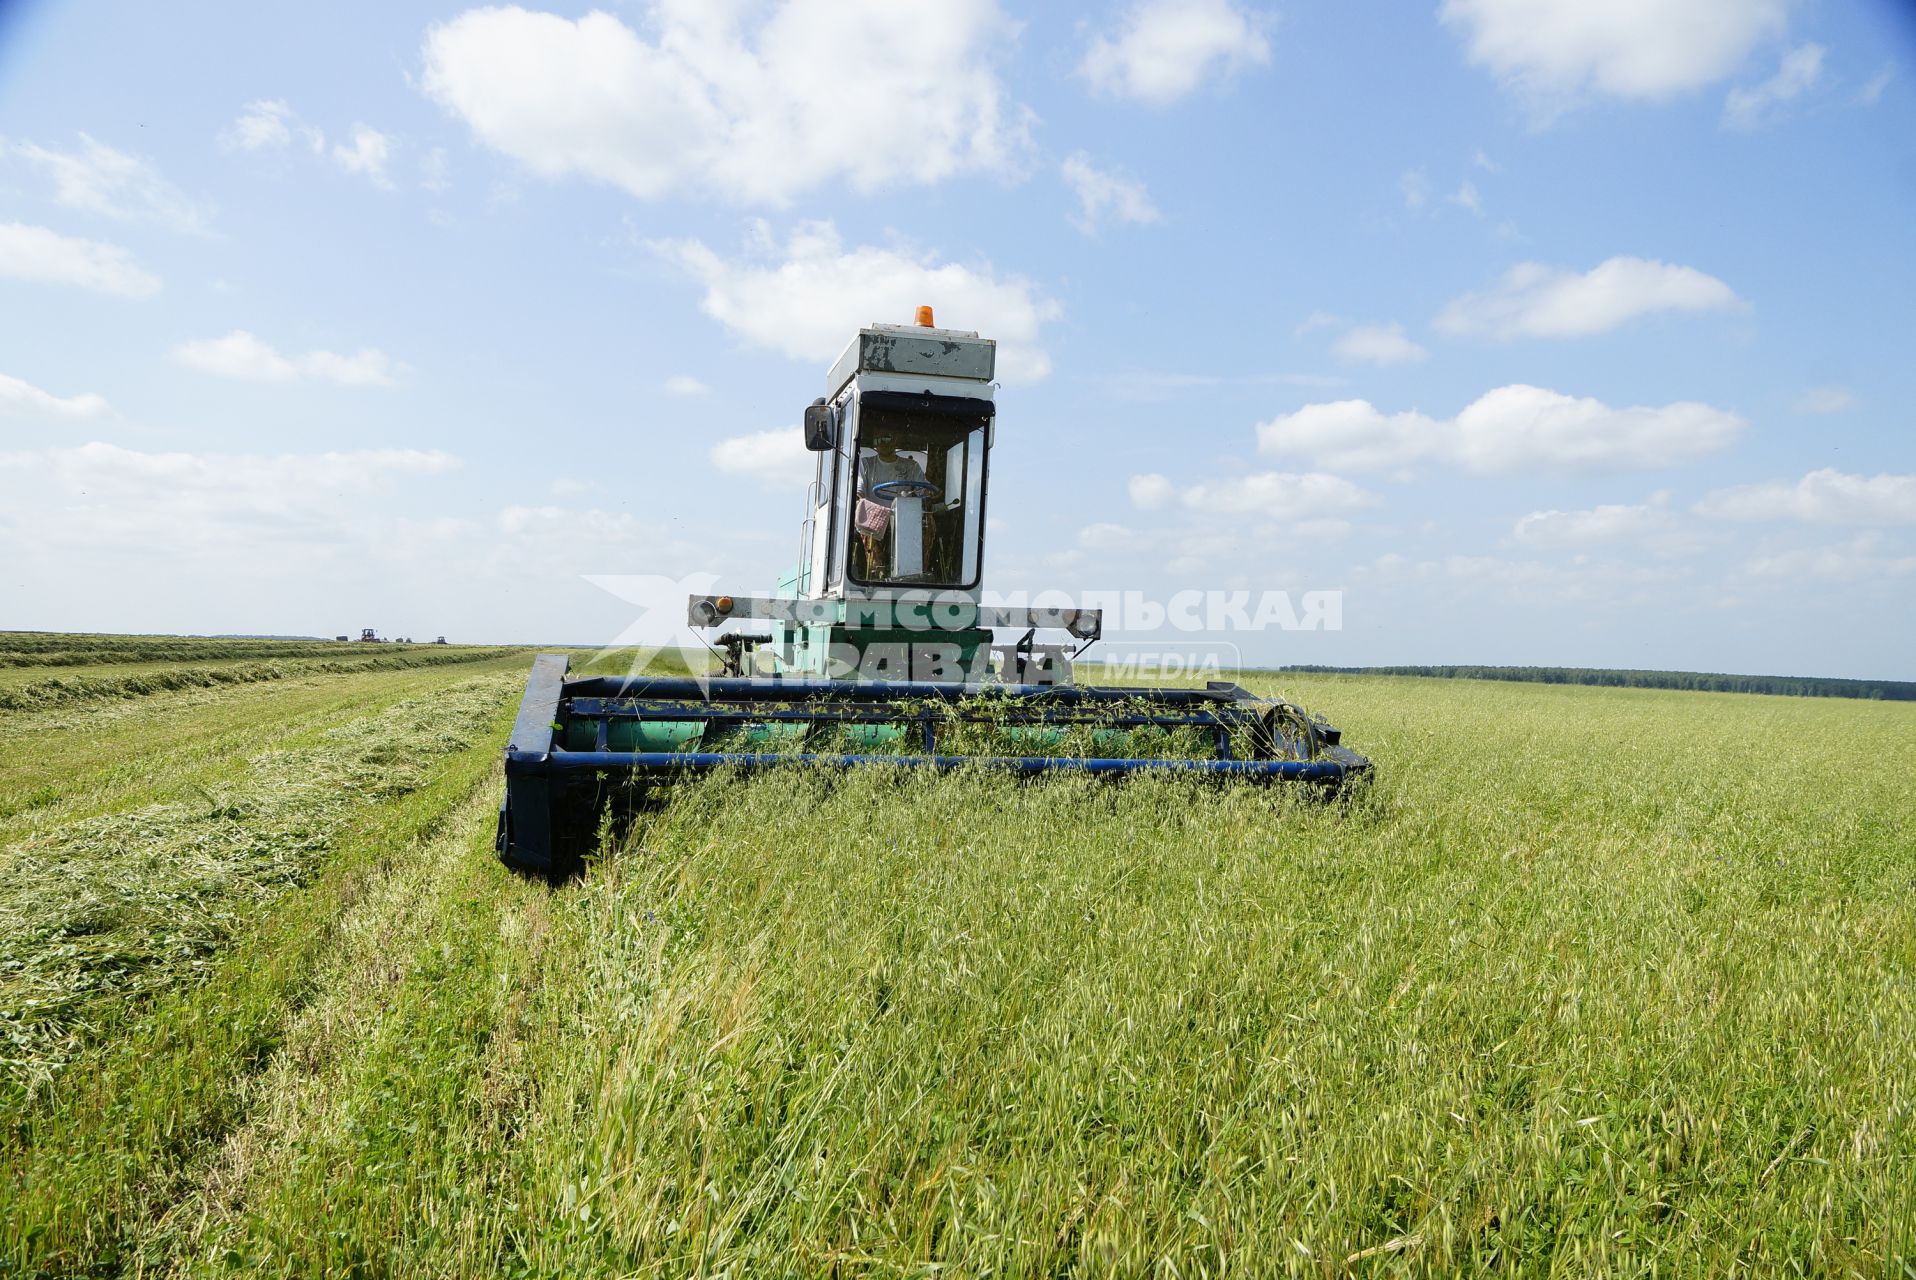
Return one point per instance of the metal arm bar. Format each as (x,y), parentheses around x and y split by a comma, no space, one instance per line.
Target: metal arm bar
(933,614)
(738,689)
(600,708)
(672,761)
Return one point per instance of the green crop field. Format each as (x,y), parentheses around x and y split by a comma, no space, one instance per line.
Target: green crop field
(1589,982)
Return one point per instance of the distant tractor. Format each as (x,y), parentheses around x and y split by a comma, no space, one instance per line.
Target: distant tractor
(368,635)
(348,639)
(441,640)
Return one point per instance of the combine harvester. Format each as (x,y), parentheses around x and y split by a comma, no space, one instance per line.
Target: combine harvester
(878,648)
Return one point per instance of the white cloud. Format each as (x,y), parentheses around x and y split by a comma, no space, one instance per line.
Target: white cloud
(808,297)
(1103,195)
(261,126)
(1280,494)
(1854,561)
(1598,525)
(1537,301)
(1513,428)
(680,384)
(1825,400)
(1351,435)
(435,170)
(47,257)
(99,179)
(1827,496)
(755,101)
(273,125)
(1611,583)
(1553,52)
(366,367)
(1145,385)
(1316,320)
(1105,536)
(241,355)
(270,125)
(367,155)
(1165,49)
(1380,344)
(1523,426)
(1417,190)
(1872,90)
(21,397)
(104,495)
(1151,491)
(1414,186)
(1800,71)
(285,542)
(574,523)
(98,467)
(778,457)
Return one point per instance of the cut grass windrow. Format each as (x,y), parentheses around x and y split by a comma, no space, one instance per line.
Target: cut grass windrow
(99,914)
(54,649)
(109,1148)
(393,1102)
(65,689)
(90,758)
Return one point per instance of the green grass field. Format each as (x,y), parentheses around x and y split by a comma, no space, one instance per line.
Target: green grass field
(1590,982)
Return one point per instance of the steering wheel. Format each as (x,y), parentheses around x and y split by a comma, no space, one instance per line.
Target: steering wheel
(890,489)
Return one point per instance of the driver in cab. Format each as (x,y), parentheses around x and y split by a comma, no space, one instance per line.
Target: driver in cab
(882,465)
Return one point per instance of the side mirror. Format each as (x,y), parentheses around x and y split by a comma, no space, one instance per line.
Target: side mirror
(821,426)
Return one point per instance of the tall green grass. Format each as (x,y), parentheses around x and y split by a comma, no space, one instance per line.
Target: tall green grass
(1538,1003)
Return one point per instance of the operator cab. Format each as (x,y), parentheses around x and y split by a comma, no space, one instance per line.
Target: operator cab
(897,503)
(889,582)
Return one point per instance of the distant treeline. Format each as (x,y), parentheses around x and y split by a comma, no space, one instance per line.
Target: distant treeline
(1707,681)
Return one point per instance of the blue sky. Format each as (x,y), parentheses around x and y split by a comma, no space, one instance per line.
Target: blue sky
(1546,332)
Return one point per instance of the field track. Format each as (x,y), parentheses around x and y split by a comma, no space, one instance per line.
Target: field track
(1592,982)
